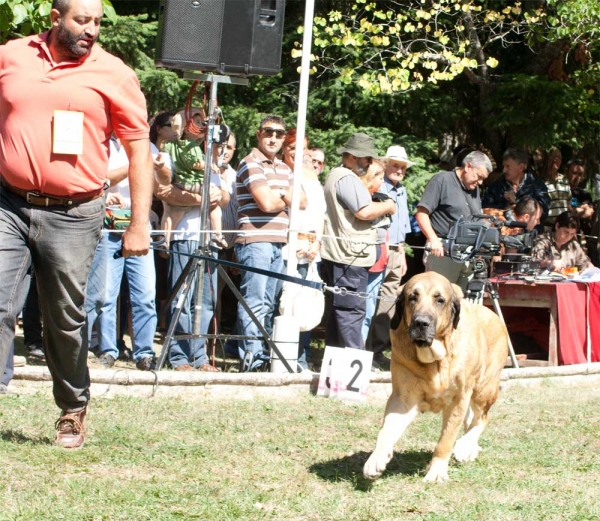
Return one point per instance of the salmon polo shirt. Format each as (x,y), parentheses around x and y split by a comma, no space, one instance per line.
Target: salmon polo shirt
(33,86)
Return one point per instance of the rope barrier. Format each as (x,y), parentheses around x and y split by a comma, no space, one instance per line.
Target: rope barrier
(253,232)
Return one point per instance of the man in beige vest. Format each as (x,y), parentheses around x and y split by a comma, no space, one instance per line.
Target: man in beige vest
(348,249)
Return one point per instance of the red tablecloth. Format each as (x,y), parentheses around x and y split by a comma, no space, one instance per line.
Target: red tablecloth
(578,306)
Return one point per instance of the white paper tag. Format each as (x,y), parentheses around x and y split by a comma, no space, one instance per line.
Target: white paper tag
(345,374)
(67,135)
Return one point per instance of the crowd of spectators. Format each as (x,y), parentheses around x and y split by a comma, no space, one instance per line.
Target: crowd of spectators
(353,226)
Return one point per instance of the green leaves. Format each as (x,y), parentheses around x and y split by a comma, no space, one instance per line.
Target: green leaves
(24,17)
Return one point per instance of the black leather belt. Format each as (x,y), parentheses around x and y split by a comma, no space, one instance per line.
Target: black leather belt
(37,199)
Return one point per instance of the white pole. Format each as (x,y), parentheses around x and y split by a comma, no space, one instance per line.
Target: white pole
(300,133)
(286,322)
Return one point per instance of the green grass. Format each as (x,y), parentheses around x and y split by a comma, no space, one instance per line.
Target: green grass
(296,459)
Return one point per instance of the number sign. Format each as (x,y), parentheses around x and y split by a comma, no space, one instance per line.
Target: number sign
(345,374)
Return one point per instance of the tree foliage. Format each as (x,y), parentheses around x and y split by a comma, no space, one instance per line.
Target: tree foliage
(515,73)
(23,17)
(398,45)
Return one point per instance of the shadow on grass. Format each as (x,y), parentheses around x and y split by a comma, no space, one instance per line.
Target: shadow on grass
(349,468)
(19,437)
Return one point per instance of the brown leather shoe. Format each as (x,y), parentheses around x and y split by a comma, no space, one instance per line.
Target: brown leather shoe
(208,368)
(184,367)
(71,429)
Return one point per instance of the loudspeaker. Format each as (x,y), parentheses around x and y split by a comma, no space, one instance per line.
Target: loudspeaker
(236,37)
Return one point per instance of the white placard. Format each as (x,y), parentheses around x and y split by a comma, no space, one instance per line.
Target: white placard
(345,374)
(67,132)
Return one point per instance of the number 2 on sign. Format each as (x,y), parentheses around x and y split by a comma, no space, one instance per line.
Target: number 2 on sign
(345,373)
(355,363)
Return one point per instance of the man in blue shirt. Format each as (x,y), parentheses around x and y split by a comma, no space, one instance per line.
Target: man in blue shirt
(379,335)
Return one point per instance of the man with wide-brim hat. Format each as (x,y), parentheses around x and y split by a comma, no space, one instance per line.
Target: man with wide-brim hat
(348,249)
(360,146)
(378,341)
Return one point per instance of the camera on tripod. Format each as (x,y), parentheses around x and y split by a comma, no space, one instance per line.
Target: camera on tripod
(481,236)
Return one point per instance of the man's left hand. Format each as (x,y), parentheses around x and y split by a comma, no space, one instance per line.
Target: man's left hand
(136,241)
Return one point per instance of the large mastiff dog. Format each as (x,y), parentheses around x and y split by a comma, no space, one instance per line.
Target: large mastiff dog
(447,355)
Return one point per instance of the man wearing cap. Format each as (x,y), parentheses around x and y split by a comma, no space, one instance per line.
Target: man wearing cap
(379,335)
(448,197)
(349,239)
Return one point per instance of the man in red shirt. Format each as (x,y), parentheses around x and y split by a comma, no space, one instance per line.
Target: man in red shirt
(61,97)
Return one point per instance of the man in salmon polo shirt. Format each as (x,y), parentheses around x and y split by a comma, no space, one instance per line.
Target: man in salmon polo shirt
(61,97)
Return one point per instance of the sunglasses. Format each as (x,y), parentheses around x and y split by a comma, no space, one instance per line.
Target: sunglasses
(279,133)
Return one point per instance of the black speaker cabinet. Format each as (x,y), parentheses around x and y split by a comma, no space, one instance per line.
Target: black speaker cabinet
(236,37)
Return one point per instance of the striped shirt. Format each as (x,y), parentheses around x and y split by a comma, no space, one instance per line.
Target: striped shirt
(560,199)
(257,170)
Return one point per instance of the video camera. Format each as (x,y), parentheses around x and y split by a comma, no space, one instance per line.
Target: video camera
(481,236)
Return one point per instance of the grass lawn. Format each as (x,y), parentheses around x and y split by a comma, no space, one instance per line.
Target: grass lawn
(296,459)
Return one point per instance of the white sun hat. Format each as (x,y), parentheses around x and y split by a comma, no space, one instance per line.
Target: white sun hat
(397,153)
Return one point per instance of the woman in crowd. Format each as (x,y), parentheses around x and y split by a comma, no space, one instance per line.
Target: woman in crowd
(559,250)
(311,221)
(373,180)
(162,132)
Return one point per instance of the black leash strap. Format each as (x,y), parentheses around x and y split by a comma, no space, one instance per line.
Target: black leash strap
(287,278)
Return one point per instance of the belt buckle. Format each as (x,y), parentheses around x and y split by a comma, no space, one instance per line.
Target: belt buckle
(29,195)
(39,197)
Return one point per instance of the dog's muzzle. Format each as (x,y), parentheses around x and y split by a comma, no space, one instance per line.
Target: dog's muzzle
(422,330)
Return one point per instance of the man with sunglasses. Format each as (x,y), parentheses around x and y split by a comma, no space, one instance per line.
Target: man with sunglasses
(349,240)
(264,194)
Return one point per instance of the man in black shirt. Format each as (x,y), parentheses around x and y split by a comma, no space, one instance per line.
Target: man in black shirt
(447,197)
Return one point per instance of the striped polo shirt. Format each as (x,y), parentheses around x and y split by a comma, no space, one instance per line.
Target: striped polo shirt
(560,199)
(257,170)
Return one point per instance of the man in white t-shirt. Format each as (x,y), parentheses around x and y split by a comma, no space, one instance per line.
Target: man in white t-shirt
(190,354)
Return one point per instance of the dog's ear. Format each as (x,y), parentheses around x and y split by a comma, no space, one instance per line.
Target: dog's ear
(458,291)
(455,310)
(397,318)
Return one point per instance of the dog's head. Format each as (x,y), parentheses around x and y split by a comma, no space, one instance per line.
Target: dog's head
(429,306)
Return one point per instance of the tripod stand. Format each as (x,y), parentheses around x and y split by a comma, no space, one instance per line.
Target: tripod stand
(199,262)
(476,289)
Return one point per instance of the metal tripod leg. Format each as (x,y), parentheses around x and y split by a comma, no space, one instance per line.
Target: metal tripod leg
(185,280)
(511,350)
(476,296)
(261,328)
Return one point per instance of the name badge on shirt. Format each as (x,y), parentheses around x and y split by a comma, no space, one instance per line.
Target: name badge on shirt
(67,132)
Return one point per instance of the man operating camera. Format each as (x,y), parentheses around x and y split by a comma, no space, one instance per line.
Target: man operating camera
(449,197)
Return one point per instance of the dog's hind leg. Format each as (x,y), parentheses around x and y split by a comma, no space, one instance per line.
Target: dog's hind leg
(467,448)
(454,415)
(398,416)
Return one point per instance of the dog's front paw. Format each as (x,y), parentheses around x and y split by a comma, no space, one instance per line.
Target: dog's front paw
(376,464)
(466,449)
(438,472)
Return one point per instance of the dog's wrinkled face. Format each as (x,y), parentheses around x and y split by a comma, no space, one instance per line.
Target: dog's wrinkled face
(429,305)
